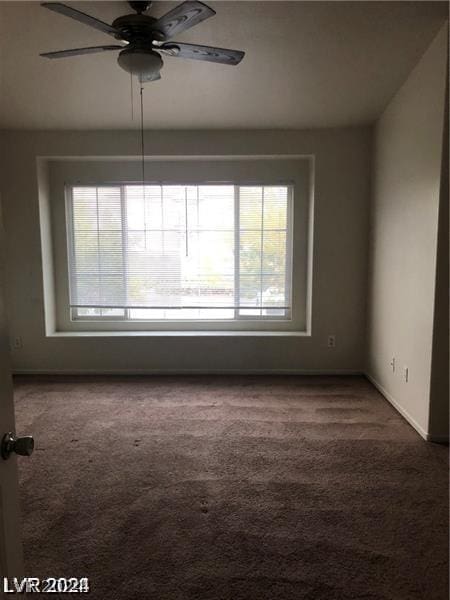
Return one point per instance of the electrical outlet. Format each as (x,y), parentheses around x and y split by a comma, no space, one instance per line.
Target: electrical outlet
(17,342)
(406,374)
(392,363)
(331,341)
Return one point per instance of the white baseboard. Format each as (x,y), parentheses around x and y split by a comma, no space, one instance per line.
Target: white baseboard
(187,372)
(424,434)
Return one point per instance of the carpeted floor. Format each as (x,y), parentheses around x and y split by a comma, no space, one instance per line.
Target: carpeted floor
(231,488)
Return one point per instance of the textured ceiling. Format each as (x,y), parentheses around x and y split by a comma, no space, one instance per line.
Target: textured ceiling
(307,64)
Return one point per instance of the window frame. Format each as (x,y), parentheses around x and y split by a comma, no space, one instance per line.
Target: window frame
(250,170)
(68,192)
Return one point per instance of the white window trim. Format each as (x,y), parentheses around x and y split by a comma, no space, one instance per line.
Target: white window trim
(237,316)
(80,172)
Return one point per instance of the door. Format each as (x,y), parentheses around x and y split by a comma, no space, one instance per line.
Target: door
(11,562)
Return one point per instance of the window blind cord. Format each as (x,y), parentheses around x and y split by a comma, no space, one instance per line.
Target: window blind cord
(142,140)
(186,221)
(131,96)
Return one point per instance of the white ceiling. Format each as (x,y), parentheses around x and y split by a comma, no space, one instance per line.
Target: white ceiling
(307,64)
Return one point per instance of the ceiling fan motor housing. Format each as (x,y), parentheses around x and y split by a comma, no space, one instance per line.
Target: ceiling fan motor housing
(137,27)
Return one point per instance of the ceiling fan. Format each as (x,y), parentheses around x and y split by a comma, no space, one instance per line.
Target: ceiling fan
(145,38)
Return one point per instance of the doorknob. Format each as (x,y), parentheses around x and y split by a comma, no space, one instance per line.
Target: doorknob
(20,445)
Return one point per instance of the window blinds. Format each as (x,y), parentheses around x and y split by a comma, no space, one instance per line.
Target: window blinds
(181,247)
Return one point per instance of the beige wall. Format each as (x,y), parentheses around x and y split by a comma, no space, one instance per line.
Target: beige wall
(404,225)
(341,195)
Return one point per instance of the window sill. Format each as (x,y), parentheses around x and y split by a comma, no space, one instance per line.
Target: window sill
(112,334)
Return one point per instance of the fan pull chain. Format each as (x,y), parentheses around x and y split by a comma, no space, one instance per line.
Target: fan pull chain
(131,95)
(186,220)
(142,141)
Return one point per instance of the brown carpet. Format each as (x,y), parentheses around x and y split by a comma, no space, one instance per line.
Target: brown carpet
(238,488)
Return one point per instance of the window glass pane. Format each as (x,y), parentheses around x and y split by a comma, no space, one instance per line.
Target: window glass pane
(112,312)
(79,313)
(109,209)
(112,292)
(135,208)
(172,251)
(250,252)
(173,213)
(250,207)
(275,207)
(273,312)
(146,313)
(110,255)
(86,252)
(274,252)
(153,207)
(136,241)
(215,313)
(84,208)
(250,290)
(250,312)
(208,272)
(214,208)
(179,314)
(273,290)
(88,290)
(87,312)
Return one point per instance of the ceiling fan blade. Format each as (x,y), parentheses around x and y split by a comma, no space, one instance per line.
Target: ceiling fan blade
(145,78)
(218,55)
(67,11)
(79,51)
(182,17)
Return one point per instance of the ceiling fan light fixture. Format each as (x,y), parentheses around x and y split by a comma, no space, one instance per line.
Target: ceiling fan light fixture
(143,62)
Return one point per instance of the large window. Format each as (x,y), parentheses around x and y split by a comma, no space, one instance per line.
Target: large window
(210,246)
(180,252)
